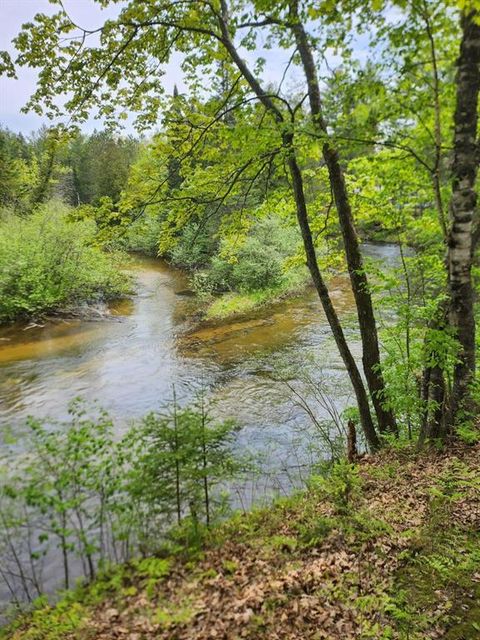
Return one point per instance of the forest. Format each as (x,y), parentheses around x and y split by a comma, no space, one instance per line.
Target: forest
(239,275)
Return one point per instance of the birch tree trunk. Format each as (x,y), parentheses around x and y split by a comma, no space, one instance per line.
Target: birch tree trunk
(462,208)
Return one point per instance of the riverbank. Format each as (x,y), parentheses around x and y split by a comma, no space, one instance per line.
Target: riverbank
(201,311)
(93,310)
(384,549)
(235,306)
(215,310)
(52,264)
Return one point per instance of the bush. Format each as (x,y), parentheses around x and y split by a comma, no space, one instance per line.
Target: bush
(194,248)
(142,236)
(259,266)
(48,262)
(217,279)
(259,262)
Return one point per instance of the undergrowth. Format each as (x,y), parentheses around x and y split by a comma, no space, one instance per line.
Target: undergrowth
(385,549)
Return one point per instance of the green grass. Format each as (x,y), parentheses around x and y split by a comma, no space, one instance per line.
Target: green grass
(237,304)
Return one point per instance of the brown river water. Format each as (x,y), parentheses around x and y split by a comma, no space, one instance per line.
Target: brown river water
(128,361)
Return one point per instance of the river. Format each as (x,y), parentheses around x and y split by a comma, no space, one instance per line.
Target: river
(128,361)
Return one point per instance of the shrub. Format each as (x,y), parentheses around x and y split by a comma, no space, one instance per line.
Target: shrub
(48,262)
(218,278)
(259,266)
(259,263)
(194,248)
(142,236)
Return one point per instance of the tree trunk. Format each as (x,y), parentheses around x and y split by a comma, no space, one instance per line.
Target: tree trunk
(463,203)
(309,246)
(433,393)
(437,132)
(358,277)
(352,453)
(347,357)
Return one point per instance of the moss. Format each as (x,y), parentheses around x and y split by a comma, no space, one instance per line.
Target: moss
(465,616)
(436,587)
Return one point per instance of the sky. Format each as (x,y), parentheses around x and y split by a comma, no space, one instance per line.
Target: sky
(15,93)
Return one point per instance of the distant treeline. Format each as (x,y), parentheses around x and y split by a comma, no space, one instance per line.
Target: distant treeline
(79,169)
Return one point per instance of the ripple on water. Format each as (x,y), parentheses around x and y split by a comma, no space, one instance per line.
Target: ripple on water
(129,366)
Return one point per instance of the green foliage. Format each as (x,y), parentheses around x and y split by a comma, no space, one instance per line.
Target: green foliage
(238,304)
(142,235)
(445,559)
(100,165)
(468,433)
(230,566)
(62,488)
(217,166)
(210,191)
(51,622)
(75,493)
(55,163)
(397,586)
(258,267)
(176,461)
(195,246)
(18,171)
(170,615)
(283,543)
(69,614)
(312,532)
(341,486)
(151,571)
(258,264)
(48,262)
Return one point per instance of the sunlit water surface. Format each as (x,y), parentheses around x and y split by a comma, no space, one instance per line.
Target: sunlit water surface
(129,361)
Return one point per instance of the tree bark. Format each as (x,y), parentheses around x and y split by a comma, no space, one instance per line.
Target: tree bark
(438,138)
(462,208)
(309,246)
(322,290)
(433,422)
(352,453)
(433,391)
(358,277)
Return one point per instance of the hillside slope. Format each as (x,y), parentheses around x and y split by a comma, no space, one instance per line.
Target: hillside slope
(389,548)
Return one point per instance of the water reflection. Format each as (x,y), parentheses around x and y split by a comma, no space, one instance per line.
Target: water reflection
(129,361)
